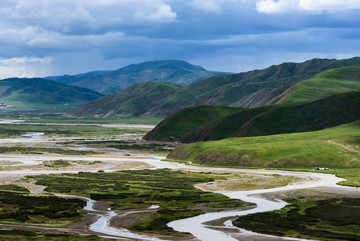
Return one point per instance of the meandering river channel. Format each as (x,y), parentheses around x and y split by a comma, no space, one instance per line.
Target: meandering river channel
(198,226)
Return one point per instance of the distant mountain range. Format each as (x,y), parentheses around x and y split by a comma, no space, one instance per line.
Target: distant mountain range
(275,84)
(108,82)
(38,92)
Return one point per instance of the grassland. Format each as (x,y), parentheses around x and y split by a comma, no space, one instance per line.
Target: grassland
(325,84)
(181,122)
(129,145)
(173,191)
(64,131)
(269,120)
(336,148)
(38,150)
(245,182)
(329,219)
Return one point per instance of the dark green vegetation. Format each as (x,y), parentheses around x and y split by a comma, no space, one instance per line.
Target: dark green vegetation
(38,150)
(269,120)
(336,148)
(18,206)
(63,130)
(23,234)
(129,145)
(57,163)
(334,219)
(39,94)
(173,191)
(176,125)
(328,83)
(137,100)
(108,82)
(251,89)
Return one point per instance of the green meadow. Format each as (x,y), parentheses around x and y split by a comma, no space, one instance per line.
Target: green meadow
(335,148)
(325,84)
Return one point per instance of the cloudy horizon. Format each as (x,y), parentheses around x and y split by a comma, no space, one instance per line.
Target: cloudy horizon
(42,38)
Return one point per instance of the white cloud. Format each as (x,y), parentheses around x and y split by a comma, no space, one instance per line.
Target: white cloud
(25,60)
(284,6)
(214,6)
(329,4)
(81,16)
(162,13)
(25,66)
(206,5)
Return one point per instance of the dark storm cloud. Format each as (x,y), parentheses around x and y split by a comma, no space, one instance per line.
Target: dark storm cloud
(44,37)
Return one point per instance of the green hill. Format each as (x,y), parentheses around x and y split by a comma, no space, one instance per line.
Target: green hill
(269,120)
(136,100)
(336,147)
(251,89)
(327,83)
(186,120)
(38,92)
(108,82)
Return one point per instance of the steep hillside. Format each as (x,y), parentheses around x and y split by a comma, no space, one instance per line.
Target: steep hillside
(269,120)
(336,147)
(250,89)
(38,92)
(181,122)
(108,82)
(332,111)
(135,100)
(224,127)
(327,83)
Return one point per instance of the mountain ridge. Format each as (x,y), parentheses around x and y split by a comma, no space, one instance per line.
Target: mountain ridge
(249,89)
(109,82)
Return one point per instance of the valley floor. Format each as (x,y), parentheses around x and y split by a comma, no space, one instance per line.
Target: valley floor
(103,219)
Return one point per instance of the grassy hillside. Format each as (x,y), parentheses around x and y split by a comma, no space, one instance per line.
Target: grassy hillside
(135,100)
(175,126)
(108,82)
(224,127)
(251,89)
(268,120)
(336,147)
(330,82)
(317,115)
(38,93)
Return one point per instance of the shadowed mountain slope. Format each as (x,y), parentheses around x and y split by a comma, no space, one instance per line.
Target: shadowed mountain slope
(135,100)
(186,120)
(269,120)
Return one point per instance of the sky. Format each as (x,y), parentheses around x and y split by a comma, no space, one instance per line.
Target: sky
(56,37)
